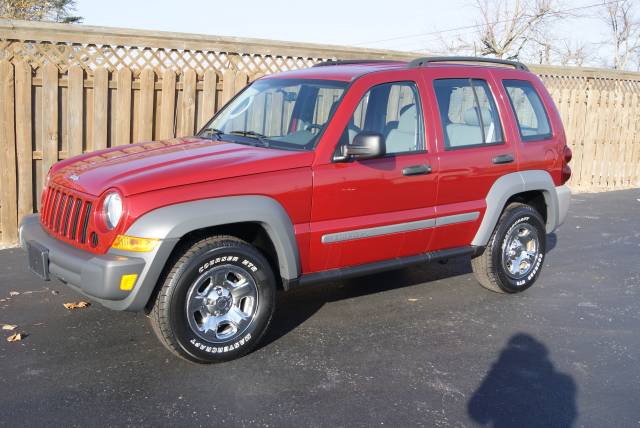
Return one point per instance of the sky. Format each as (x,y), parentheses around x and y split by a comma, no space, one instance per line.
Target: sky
(352,22)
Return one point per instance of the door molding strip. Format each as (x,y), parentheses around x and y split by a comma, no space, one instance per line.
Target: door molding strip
(388,229)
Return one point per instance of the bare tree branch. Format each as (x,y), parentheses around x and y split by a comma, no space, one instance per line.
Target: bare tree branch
(508,28)
(624,31)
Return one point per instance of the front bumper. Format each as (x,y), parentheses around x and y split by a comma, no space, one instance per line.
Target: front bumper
(99,276)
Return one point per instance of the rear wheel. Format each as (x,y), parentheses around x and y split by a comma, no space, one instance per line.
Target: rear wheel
(514,256)
(216,302)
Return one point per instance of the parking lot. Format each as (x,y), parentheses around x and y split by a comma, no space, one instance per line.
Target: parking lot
(424,346)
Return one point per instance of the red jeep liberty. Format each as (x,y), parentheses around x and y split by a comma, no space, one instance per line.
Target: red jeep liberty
(342,169)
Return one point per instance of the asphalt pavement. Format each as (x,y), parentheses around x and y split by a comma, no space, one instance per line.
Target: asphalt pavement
(424,346)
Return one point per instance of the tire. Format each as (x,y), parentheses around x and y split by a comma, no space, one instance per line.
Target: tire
(216,302)
(514,256)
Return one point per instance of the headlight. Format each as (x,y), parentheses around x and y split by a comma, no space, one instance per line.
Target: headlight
(112,209)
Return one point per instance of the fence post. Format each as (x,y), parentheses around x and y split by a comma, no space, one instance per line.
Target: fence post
(24,151)
(168,105)
(100,107)
(228,86)
(75,115)
(209,85)
(123,110)
(49,117)
(8,207)
(188,107)
(145,114)
(242,79)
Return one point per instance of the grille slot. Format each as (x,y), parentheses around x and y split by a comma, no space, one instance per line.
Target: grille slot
(74,222)
(53,209)
(85,223)
(59,211)
(67,213)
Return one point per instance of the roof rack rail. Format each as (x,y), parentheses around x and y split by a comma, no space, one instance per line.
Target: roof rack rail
(421,62)
(351,62)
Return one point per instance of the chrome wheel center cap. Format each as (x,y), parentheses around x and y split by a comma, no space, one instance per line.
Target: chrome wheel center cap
(219,301)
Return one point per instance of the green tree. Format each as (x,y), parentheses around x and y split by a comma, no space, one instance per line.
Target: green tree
(40,10)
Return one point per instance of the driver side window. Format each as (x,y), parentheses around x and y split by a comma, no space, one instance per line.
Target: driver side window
(393,111)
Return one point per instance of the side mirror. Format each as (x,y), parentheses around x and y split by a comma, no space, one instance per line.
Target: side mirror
(366,145)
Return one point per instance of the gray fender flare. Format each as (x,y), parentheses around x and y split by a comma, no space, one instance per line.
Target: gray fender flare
(174,221)
(512,184)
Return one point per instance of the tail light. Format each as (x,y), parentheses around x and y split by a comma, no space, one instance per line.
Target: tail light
(566,169)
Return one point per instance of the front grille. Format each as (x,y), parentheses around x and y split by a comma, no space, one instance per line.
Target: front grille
(66,214)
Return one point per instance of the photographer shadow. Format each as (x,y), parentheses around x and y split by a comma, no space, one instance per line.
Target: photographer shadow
(523,389)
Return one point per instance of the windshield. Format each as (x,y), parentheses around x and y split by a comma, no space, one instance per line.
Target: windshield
(280,113)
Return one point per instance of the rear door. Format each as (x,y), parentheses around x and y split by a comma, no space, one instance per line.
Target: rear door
(540,138)
(375,209)
(473,149)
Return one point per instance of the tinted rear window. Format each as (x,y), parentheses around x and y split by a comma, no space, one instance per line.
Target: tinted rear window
(532,118)
(468,113)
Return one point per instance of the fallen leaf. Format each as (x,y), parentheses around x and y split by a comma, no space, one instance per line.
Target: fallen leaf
(14,293)
(412,300)
(77,305)
(15,337)
(9,327)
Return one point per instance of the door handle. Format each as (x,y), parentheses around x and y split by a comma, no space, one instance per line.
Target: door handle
(416,170)
(508,158)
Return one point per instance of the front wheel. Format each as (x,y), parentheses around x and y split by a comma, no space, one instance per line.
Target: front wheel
(514,256)
(216,302)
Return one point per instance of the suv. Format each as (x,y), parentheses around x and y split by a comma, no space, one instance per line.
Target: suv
(343,169)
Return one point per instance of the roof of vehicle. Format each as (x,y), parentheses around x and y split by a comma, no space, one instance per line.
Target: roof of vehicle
(343,72)
(348,70)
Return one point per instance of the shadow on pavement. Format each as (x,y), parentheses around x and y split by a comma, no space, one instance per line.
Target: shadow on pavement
(295,307)
(552,241)
(523,389)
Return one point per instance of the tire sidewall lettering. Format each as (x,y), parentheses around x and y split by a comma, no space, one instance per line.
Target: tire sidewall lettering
(244,262)
(215,349)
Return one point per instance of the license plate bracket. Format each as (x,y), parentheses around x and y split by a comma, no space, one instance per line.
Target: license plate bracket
(38,260)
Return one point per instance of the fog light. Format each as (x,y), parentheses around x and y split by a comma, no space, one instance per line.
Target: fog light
(128,281)
(132,243)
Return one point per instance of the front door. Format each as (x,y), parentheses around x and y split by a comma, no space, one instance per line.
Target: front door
(375,209)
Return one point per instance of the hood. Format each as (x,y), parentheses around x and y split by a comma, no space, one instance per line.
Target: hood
(143,167)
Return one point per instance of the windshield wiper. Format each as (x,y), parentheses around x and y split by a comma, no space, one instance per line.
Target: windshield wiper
(261,138)
(212,132)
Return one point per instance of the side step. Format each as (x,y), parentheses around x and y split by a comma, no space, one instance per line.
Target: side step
(384,265)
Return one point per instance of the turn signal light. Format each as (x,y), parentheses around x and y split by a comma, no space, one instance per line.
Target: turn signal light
(133,243)
(128,281)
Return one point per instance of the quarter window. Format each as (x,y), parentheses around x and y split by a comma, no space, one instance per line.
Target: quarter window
(533,122)
(468,113)
(393,111)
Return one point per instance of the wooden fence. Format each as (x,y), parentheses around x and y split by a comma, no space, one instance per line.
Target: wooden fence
(69,89)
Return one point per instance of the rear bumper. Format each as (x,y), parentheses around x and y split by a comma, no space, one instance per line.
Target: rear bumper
(99,276)
(564,201)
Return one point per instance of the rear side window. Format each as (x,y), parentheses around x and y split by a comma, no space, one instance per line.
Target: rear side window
(468,113)
(533,122)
